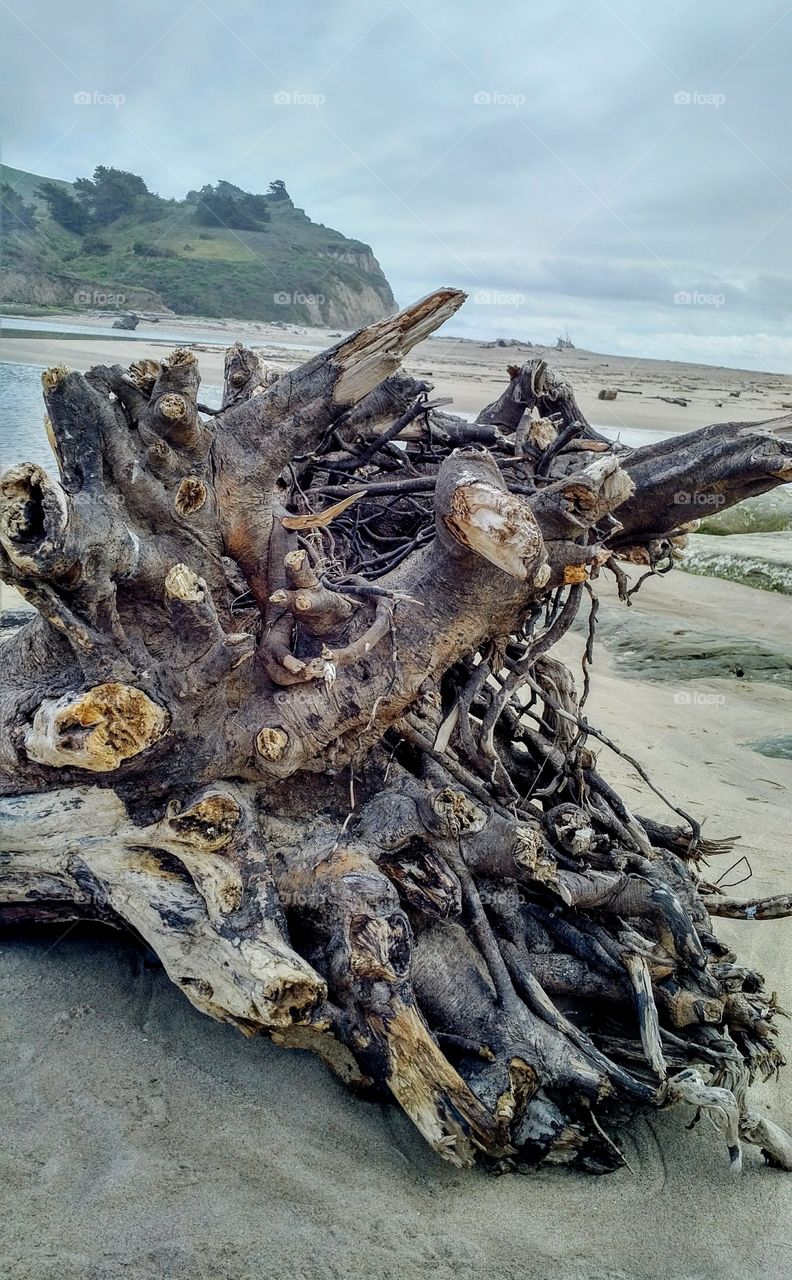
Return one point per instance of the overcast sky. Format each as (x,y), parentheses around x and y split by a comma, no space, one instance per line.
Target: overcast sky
(618,170)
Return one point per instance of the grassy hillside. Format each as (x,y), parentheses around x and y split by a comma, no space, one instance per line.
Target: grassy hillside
(159,254)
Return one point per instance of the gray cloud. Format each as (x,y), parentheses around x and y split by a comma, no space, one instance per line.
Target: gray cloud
(572,166)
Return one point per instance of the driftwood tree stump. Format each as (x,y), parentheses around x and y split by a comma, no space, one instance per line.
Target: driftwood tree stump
(288,711)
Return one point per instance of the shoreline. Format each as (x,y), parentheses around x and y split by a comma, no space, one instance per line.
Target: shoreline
(473,373)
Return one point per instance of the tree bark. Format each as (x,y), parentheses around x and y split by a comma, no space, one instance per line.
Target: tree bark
(286,710)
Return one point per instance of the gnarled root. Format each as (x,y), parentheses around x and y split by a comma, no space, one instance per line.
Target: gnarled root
(195,886)
(287,710)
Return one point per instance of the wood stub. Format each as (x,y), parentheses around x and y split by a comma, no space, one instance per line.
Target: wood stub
(33,521)
(496,525)
(474,510)
(373,353)
(245,375)
(172,412)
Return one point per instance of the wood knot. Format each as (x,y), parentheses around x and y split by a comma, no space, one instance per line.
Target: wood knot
(172,406)
(271,744)
(209,824)
(190,496)
(380,947)
(457,813)
(182,584)
(96,730)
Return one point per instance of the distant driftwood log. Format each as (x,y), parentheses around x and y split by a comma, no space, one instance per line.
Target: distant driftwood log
(128,321)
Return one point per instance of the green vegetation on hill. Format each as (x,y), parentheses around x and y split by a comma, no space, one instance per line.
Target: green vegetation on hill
(108,242)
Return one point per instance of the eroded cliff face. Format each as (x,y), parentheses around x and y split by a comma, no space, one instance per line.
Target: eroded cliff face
(341,305)
(361,258)
(346,306)
(32,288)
(364,305)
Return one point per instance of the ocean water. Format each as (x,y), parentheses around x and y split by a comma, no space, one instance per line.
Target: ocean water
(762,560)
(22,434)
(14,326)
(779,748)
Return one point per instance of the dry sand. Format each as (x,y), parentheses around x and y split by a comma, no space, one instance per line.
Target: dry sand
(143,1141)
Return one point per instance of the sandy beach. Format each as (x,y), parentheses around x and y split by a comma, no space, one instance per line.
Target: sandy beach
(143,1141)
(472,372)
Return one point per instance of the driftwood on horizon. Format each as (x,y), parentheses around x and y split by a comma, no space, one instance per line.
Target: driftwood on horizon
(288,711)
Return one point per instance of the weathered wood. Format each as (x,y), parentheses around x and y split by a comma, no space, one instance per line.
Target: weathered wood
(286,710)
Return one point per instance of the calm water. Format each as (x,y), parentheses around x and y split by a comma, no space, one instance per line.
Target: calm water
(13,326)
(22,435)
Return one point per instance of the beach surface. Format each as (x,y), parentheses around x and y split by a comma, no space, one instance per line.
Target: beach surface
(143,1141)
(472,372)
